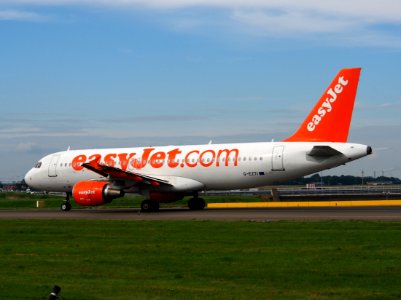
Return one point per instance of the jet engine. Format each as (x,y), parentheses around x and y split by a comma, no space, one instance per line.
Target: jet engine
(93,193)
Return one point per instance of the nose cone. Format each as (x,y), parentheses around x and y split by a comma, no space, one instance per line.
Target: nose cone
(32,179)
(28,178)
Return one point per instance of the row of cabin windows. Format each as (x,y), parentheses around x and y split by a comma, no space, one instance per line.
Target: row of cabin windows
(204,160)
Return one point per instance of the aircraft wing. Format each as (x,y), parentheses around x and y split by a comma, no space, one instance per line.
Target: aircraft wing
(324,151)
(119,174)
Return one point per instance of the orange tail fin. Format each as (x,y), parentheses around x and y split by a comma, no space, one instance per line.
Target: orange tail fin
(330,119)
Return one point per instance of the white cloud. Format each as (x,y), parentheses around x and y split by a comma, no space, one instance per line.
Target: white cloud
(351,23)
(384,10)
(25,147)
(391,106)
(293,22)
(17,15)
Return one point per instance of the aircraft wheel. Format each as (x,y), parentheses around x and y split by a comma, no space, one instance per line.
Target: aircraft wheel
(196,204)
(65,206)
(145,205)
(149,205)
(201,203)
(155,205)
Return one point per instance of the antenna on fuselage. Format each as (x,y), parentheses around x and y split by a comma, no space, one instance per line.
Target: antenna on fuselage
(210,142)
(69,147)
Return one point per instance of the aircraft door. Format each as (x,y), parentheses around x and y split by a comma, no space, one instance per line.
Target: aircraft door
(278,158)
(53,165)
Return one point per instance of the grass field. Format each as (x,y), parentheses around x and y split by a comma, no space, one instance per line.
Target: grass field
(13,200)
(200,260)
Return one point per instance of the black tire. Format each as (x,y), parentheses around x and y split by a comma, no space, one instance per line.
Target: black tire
(145,206)
(196,204)
(156,205)
(149,206)
(192,204)
(65,206)
(201,203)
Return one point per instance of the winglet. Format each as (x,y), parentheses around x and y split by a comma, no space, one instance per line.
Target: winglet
(330,119)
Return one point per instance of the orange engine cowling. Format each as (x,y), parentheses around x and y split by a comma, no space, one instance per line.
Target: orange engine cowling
(92,193)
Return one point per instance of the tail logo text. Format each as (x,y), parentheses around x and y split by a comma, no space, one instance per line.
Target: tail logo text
(327,105)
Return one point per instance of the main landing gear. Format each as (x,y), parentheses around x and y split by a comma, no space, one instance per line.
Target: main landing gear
(196,203)
(66,205)
(149,205)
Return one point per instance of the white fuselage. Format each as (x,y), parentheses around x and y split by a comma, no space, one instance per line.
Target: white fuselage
(197,167)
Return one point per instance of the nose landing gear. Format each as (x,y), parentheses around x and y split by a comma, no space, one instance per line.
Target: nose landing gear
(66,205)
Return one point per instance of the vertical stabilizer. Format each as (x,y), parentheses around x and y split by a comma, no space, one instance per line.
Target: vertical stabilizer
(330,119)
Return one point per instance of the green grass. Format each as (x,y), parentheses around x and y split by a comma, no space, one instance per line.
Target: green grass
(13,200)
(200,260)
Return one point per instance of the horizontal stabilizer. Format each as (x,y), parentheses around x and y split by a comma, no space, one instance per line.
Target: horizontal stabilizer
(323,151)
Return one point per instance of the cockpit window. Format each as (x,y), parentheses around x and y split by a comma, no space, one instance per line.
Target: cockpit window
(38,165)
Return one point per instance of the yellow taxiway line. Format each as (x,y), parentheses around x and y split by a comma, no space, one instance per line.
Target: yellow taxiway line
(306,204)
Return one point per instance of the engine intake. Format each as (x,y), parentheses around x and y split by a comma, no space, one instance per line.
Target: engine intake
(93,193)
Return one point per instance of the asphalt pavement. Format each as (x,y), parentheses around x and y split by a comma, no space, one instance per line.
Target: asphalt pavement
(384,213)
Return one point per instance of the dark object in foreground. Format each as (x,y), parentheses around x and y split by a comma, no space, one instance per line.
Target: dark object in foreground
(54,294)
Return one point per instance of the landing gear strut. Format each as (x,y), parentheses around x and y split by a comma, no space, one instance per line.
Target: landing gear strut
(66,205)
(149,205)
(196,203)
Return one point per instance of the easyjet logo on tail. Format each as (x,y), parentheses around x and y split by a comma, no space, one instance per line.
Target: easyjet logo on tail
(327,105)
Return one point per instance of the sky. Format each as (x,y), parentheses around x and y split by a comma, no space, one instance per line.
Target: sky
(126,73)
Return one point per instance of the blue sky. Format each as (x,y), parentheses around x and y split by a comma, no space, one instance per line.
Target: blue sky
(102,73)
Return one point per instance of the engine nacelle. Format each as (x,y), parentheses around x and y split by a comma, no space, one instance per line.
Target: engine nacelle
(93,193)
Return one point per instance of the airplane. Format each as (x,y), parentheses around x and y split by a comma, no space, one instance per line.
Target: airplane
(165,174)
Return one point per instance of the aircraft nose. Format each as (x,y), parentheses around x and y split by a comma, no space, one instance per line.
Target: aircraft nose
(29,178)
